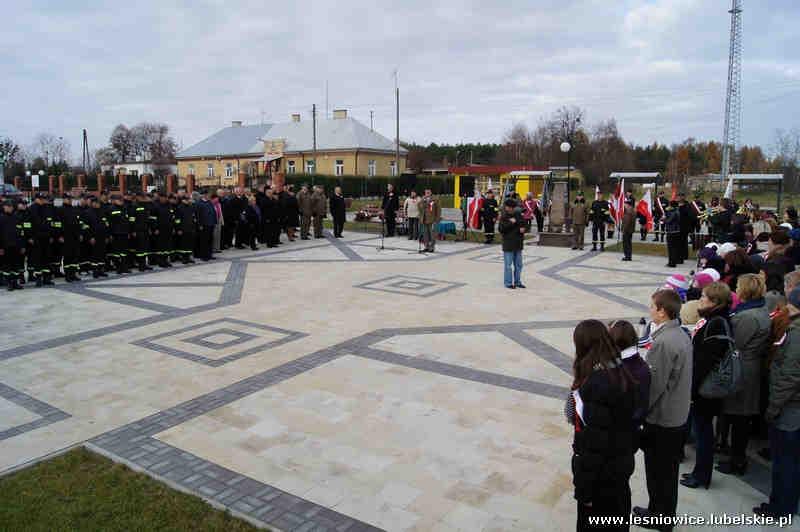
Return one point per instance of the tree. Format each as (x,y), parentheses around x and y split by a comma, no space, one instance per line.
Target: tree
(713,164)
(53,151)
(121,142)
(607,152)
(106,156)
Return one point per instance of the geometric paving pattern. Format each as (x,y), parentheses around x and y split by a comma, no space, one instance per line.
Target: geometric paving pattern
(409,285)
(45,414)
(228,337)
(497,258)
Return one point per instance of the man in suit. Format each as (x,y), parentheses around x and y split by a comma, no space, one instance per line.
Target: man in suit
(338,212)
(390,206)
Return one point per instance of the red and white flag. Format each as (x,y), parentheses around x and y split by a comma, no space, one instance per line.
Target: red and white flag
(597,192)
(474,206)
(645,209)
(619,202)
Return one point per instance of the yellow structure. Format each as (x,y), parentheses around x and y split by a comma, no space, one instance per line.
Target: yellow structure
(502,179)
(344,146)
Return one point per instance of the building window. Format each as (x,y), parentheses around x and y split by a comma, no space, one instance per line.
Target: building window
(310,167)
(228,170)
(210,170)
(290,167)
(392,168)
(372,168)
(191,169)
(339,167)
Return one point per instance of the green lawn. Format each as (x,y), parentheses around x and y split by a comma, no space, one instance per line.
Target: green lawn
(82,491)
(640,248)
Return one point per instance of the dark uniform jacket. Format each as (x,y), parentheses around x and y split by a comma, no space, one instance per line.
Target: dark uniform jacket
(41,220)
(600,212)
(98,225)
(319,206)
(337,206)
(390,202)
(72,226)
(164,220)
(12,236)
(489,209)
(118,220)
(185,218)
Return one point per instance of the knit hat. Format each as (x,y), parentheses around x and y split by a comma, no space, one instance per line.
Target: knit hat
(786,225)
(701,280)
(677,282)
(715,276)
(726,248)
(708,253)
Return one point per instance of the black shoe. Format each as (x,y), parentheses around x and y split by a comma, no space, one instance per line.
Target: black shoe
(574,247)
(520,285)
(670,266)
(692,482)
(765,453)
(594,248)
(643,513)
(732,468)
(39,281)
(722,448)
(511,287)
(626,259)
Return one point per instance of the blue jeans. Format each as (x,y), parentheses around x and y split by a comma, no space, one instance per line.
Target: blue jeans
(512,258)
(785,450)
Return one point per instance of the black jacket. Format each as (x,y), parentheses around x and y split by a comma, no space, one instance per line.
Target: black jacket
(98,224)
(71,223)
(600,212)
(337,206)
(513,239)
(11,233)
(707,352)
(489,209)
(185,218)
(119,221)
(164,219)
(604,444)
(390,202)
(41,220)
(206,215)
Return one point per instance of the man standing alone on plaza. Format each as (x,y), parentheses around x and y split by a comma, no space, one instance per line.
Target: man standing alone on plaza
(430,214)
(304,203)
(512,227)
(670,360)
(390,206)
(578,214)
(628,226)
(338,211)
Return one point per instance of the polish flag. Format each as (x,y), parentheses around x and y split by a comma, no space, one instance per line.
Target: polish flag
(597,192)
(474,205)
(645,208)
(620,202)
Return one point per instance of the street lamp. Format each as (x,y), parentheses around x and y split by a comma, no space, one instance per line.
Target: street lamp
(566,147)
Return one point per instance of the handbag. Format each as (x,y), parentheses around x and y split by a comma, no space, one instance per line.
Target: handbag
(726,377)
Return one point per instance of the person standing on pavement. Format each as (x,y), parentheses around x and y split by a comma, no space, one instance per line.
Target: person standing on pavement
(206,221)
(390,205)
(512,227)
(319,209)
(12,246)
(411,209)
(430,215)
(579,216)
(628,227)
(672,226)
(304,205)
(292,213)
(338,212)
(662,438)
(489,212)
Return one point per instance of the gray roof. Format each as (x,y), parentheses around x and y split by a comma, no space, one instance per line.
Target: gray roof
(332,134)
(233,140)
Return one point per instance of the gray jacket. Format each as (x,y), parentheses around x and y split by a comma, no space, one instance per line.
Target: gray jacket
(784,382)
(751,331)
(670,361)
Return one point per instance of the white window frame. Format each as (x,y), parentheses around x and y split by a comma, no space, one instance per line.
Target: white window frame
(191,169)
(290,167)
(210,170)
(372,168)
(339,168)
(393,168)
(311,166)
(228,169)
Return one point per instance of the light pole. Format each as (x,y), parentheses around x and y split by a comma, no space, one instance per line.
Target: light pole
(566,147)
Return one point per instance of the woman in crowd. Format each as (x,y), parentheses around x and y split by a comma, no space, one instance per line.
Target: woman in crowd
(783,416)
(751,327)
(602,408)
(710,344)
(625,338)
(737,263)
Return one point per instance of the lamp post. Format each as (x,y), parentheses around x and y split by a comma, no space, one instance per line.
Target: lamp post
(566,147)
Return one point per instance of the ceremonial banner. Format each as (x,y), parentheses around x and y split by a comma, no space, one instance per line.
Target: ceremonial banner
(645,208)
(474,205)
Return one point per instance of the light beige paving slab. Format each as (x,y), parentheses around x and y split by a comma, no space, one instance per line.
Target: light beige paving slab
(215,272)
(13,415)
(179,297)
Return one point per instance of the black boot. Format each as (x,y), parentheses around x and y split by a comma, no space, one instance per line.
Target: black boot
(602,246)
(48,279)
(8,282)
(594,247)
(39,280)
(96,274)
(16,284)
(68,276)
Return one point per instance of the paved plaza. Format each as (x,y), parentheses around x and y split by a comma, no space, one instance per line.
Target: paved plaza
(330,385)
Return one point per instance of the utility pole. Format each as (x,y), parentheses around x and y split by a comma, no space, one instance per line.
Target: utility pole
(314,138)
(86,158)
(326,99)
(397,125)
(733,99)
(371,128)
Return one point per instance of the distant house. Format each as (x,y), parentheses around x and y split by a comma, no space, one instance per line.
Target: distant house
(140,168)
(344,145)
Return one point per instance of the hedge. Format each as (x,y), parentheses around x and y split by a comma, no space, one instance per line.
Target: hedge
(360,186)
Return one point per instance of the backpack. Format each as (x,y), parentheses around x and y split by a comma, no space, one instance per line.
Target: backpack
(726,378)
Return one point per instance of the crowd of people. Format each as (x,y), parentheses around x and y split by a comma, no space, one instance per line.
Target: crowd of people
(718,365)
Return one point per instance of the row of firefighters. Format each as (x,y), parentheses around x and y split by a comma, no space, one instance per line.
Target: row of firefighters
(95,235)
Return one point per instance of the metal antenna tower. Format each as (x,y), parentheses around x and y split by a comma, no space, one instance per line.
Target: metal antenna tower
(733,100)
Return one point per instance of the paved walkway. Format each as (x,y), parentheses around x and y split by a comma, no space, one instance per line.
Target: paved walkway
(331,385)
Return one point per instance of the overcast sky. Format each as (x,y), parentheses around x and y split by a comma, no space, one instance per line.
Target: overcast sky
(467,70)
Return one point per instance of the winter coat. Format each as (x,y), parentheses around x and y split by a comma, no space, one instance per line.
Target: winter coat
(751,331)
(670,361)
(430,211)
(579,213)
(206,215)
(513,239)
(304,203)
(628,220)
(337,206)
(319,207)
(784,379)
(707,352)
(604,442)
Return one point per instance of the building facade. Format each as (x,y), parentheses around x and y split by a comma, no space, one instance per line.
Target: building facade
(344,146)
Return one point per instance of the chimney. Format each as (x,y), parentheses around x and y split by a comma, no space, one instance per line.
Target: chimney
(296,117)
(339,113)
(236,123)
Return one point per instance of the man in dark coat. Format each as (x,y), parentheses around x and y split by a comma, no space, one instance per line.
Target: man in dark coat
(163,231)
(120,233)
(599,215)
(338,212)
(672,227)
(305,207)
(141,231)
(489,212)
(72,231)
(185,229)
(687,223)
(206,220)
(390,206)
(97,236)
(292,214)
(12,246)
(512,227)
(41,220)
(628,226)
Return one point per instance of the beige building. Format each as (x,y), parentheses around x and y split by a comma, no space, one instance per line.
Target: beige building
(344,145)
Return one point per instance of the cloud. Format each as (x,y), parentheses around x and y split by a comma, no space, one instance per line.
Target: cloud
(468,69)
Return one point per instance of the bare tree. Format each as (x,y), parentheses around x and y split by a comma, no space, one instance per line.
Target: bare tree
(565,123)
(121,141)
(53,150)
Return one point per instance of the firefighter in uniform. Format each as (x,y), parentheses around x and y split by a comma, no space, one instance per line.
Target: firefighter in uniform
(119,225)
(72,233)
(57,247)
(24,217)
(41,218)
(12,246)
(599,215)
(186,229)
(175,254)
(162,234)
(97,236)
(489,212)
(129,208)
(84,207)
(140,231)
